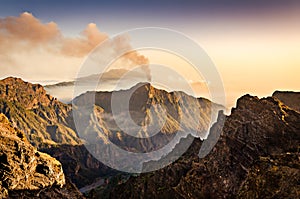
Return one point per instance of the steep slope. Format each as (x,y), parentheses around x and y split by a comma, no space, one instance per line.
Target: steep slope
(257,156)
(274,176)
(143,120)
(43,118)
(24,171)
(47,124)
(148,108)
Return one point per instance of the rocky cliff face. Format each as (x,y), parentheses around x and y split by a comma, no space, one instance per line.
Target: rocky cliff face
(128,118)
(147,107)
(47,123)
(257,156)
(25,171)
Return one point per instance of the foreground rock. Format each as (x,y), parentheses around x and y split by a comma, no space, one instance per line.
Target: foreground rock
(26,172)
(257,156)
(47,124)
(273,177)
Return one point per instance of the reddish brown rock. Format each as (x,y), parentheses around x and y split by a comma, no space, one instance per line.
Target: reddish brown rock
(25,171)
(257,156)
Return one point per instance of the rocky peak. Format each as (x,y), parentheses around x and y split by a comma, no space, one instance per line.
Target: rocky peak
(142,85)
(30,95)
(147,103)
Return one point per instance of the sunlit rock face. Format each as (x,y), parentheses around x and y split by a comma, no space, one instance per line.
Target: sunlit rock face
(140,120)
(42,118)
(24,171)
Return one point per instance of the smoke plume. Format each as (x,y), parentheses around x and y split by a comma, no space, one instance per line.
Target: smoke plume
(26,34)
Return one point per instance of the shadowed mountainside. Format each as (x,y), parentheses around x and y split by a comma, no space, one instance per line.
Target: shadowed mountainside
(257,156)
(128,118)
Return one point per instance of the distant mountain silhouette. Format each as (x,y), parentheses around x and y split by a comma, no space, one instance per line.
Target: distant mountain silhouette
(111,75)
(107,81)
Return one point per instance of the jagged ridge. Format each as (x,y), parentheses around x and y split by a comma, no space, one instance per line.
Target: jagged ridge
(183,113)
(257,132)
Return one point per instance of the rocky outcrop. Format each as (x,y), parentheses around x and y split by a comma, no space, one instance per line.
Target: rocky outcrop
(274,176)
(69,191)
(257,156)
(289,98)
(24,169)
(29,95)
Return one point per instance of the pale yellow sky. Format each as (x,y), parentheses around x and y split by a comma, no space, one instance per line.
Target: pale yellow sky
(256,55)
(257,62)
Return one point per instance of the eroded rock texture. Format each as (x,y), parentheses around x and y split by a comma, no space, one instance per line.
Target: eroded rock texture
(257,156)
(26,172)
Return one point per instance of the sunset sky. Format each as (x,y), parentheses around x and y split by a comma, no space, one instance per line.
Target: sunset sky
(255,44)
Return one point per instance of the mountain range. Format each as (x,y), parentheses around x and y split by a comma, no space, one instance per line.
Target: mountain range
(258,141)
(48,123)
